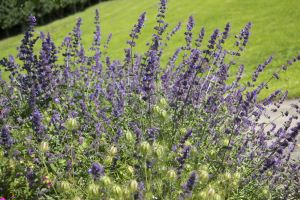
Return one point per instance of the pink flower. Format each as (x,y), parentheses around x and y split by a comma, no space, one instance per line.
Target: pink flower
(2,198)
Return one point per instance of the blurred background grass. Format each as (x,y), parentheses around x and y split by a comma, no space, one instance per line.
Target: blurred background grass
(276,30)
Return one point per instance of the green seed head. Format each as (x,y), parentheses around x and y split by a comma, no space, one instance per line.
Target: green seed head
(211,193)
(65,186)
(203,175)
(172,174)
(130,169)
(106,181)
(163,102)
(117,190)
(145,148)
(133,185)
(71,124)
(44,146)
(93,189)
(113,150)
(128,136)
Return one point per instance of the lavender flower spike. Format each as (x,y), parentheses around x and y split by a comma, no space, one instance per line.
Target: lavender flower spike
(137,29)
(96,170)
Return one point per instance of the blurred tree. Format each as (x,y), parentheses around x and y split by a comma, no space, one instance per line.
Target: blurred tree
(13,13)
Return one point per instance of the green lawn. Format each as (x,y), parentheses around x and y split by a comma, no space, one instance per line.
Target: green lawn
(276,29)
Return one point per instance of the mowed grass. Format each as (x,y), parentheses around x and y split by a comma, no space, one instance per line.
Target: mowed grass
(276,30)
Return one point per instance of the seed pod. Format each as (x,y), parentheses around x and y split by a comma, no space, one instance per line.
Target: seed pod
(227,176)
(172,175)
(156,109)
(71,124)
(211,193)
(108,160)
(44,146)
(217,197)
(237,176)
(182,130)
(203,175)
(158,149)
(133,185)
(163,114)
(93,189)
(128,136)
(145,148)
(65,186)
(225,142)
(130,169)
(113,150)
(106,181)
(163,102)
(117,190)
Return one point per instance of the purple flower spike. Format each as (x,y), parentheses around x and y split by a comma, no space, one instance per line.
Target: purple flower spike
(96,170)
(6,139)
(191,182)
(191,23)
(32,21)
(137,29)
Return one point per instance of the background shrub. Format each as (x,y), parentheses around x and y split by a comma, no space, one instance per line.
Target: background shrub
(14,13)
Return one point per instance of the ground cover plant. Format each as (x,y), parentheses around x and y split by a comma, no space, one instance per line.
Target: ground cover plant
(76,124)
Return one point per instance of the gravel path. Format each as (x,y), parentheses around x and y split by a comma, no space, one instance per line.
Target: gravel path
(279,121)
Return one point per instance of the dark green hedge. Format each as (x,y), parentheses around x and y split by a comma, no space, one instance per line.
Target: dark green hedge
(13,13)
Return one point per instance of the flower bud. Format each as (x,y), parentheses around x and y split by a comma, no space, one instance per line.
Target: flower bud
(106,180)
(71,124)
(145,148)
(113,150)
(133,185)
(44,146)
(46,180)
(172,174)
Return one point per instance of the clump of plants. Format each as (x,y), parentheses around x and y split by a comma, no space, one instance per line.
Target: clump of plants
(76,124)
